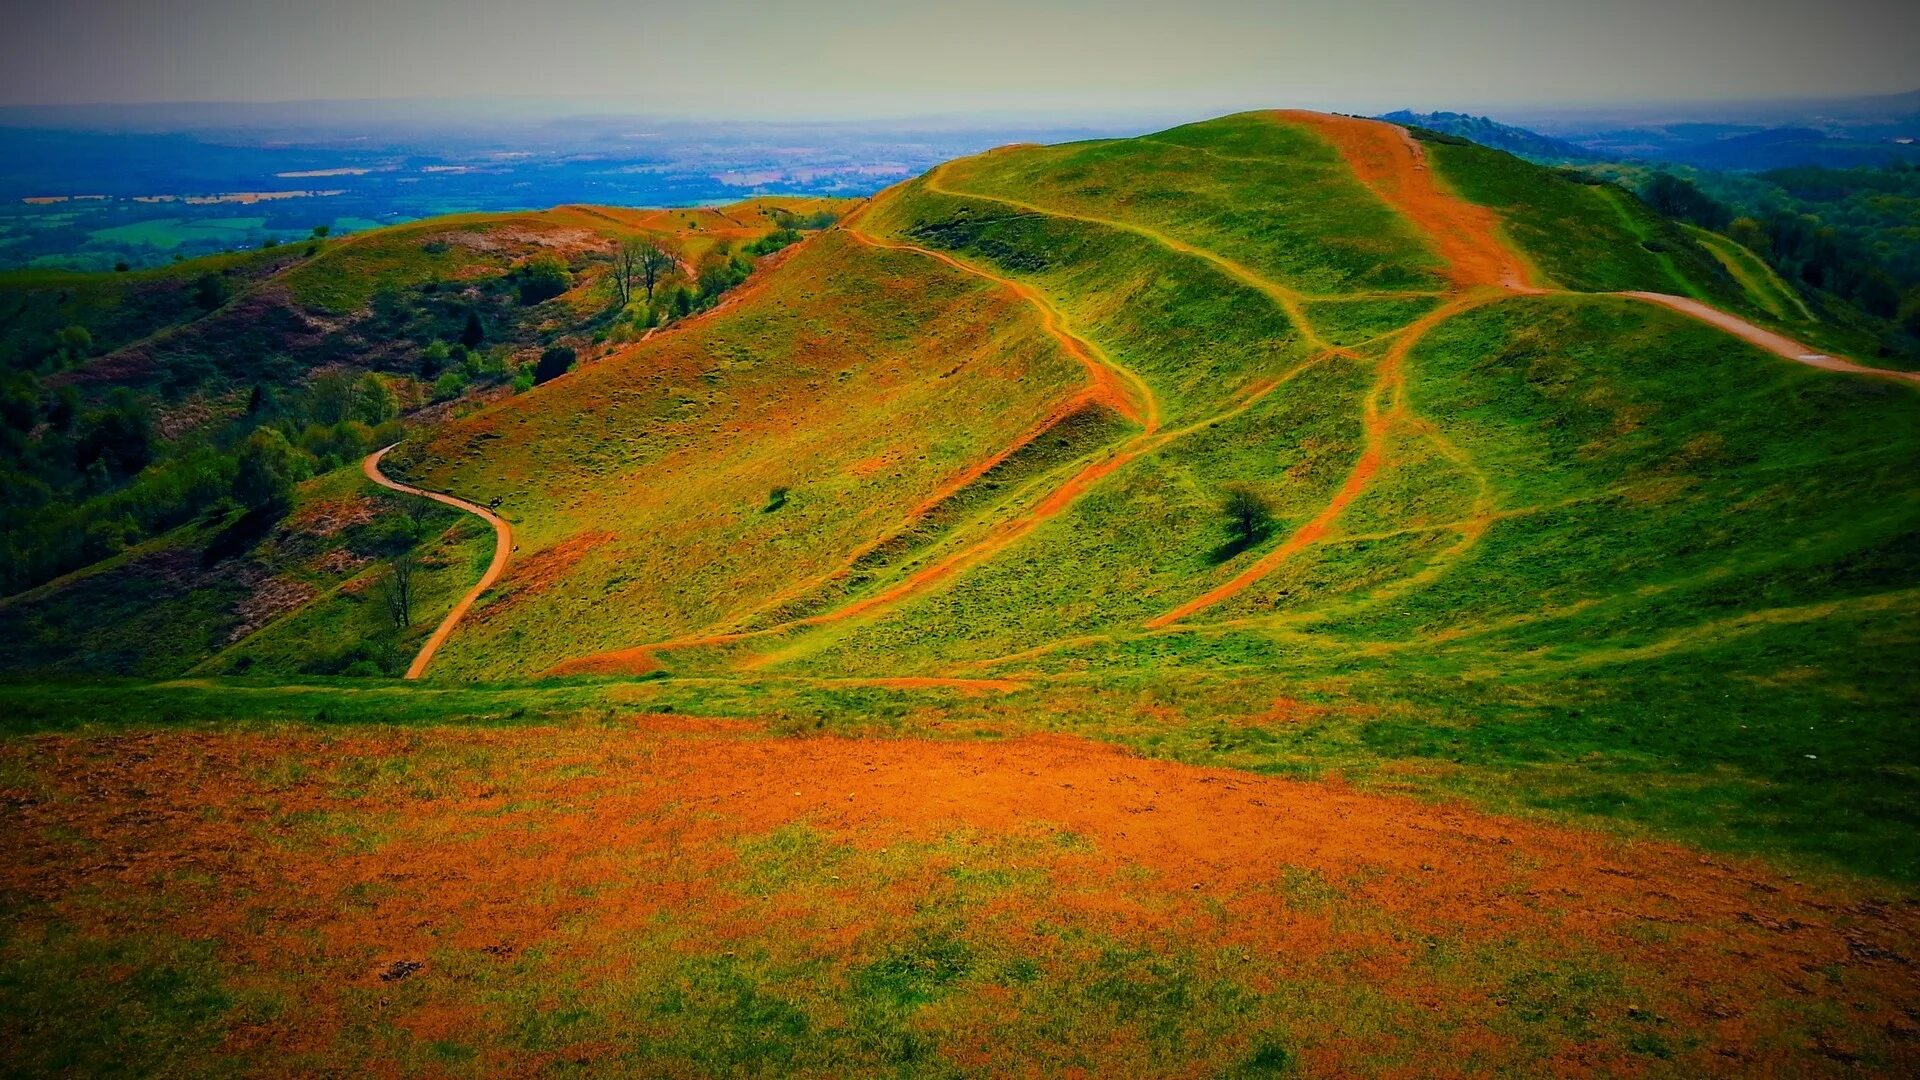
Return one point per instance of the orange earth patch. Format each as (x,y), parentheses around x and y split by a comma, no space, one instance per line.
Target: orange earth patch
(327,866)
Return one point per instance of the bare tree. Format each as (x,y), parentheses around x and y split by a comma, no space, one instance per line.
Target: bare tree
(654,262)
(626,268)
(399,591)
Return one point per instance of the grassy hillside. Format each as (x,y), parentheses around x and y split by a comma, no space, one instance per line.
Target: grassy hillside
(1254,599)
(693,478)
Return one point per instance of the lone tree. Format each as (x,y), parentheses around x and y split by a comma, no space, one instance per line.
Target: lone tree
(399,590)
(473,333)
(1248,517)
(652,263)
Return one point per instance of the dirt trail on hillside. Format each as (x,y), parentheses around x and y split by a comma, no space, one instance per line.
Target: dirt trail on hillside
(1774,343)
(1288,300)
(1388,159)
(502,549)
(604,840)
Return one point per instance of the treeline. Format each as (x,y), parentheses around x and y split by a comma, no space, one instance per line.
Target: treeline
(80,484)
(1852,233)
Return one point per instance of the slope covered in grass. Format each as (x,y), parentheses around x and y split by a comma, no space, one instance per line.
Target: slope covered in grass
(715,469)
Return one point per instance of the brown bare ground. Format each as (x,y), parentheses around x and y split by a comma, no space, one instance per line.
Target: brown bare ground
(580,838)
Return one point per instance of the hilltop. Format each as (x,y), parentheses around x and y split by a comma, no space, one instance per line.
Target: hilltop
(1113,605)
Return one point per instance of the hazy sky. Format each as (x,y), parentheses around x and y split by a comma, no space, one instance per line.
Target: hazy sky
(880,58)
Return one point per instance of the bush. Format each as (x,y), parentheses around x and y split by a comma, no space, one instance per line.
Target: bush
(449,385)
(374,403)
(120,436)
(268,469)
(542,279)
(554,363)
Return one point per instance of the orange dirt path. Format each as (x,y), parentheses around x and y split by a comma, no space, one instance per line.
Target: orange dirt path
(502,549)
(597,837)
(1388,159)
(1774,343)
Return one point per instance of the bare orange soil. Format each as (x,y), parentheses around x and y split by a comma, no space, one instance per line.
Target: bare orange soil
(573,848)
(502,550)
(1387,159)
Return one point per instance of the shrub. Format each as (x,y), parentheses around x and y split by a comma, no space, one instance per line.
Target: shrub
(449,385)
(554,363)
(268,468)
(542,279)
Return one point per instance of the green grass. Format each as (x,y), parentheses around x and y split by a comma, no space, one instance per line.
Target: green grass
(169,233)
(826,389)
(1252,189)
(1591,238)
(1763,286)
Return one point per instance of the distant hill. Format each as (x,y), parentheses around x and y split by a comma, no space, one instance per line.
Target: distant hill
(1514,140)
(1744,136)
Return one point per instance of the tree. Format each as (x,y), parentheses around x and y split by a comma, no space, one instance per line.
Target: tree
(210,291)
(269,467)
(626,268)
(434,357)
(554,363)
(119,436)
(655,262)
(1910,312)
(398,592)
(542,279)
(1248,517)
(374,403)
(320,231)
(473,334)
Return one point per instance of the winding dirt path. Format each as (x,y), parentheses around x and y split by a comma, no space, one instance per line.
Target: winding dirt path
(1288,300)
(1774,343)
(502,548)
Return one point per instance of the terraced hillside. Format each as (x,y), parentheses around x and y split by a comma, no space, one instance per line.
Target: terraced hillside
(1276,596)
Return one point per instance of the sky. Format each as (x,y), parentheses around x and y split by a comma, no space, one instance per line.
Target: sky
(889,58)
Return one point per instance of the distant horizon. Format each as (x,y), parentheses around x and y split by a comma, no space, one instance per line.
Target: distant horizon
(857,61)
(536,108)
